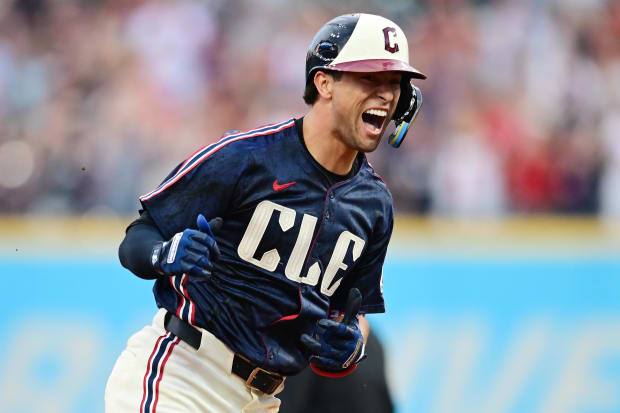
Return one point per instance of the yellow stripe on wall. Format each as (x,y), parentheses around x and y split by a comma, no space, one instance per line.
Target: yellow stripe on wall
(412,235)
(534,235)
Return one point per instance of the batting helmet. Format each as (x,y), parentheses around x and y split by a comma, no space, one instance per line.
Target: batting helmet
(368,43)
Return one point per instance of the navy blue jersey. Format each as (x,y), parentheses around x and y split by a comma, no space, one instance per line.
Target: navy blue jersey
(292,243)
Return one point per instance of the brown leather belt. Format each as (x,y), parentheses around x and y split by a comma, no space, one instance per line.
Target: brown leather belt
(254,376)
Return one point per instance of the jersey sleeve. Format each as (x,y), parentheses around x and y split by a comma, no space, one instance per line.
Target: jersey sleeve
(367,276)
(203,184)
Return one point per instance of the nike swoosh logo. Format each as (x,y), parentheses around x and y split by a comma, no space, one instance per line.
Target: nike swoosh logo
(277,187)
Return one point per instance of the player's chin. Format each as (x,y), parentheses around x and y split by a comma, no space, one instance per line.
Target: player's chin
(368,145)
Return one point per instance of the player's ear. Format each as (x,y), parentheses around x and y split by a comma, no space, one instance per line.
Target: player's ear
(324,84)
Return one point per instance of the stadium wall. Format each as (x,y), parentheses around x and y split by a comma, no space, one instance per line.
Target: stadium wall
(511,315)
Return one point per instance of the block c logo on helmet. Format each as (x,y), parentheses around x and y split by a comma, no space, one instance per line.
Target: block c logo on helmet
(388,41)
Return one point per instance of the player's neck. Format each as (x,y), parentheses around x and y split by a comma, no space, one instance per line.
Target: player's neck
(324,146)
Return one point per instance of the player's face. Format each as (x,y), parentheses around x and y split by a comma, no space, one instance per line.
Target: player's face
(364,104)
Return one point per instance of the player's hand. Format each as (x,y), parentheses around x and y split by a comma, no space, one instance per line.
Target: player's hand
(189,252)
(337,347)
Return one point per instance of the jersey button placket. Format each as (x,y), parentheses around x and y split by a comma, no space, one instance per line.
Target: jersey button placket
(331,198)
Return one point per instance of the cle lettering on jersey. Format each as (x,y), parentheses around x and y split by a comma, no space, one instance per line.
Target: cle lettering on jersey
(270,259)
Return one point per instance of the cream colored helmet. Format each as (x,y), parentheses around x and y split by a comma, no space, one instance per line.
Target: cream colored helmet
(368,43)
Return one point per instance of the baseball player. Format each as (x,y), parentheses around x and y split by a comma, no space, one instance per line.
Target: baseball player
(267,246)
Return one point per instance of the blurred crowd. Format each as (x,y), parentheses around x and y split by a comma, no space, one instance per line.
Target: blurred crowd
(100,99)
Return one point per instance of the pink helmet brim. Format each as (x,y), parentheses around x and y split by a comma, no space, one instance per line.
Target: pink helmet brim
(377,65)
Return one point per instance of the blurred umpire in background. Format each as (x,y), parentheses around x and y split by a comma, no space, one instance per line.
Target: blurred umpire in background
(363,391)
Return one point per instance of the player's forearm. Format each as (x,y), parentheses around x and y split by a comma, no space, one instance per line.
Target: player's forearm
(136,249)
(364,327)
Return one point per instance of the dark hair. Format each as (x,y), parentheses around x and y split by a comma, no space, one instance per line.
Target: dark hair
(311,94)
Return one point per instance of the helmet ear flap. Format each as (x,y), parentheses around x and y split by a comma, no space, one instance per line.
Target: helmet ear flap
(407,109)
(404,101)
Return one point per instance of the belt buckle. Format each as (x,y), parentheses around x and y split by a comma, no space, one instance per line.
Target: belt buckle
(256,371)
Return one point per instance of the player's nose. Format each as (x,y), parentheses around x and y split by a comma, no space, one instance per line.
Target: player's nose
(386,91)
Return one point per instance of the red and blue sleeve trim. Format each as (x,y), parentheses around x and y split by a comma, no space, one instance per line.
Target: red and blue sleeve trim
(205,152)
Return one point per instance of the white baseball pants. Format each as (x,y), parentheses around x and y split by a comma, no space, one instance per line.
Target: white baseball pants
(159,373)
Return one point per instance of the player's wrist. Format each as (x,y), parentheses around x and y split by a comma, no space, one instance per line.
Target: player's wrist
(156,254)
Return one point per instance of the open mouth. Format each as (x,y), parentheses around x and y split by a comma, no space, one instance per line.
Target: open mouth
(373,119)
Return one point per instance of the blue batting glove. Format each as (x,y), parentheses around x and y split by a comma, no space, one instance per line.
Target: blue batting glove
(189,252)
(335,346)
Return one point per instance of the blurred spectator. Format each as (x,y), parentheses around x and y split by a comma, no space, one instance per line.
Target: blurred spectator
(98,98)
(172,41)
(467,177)
(610,185)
